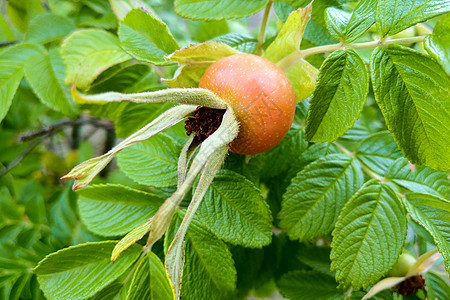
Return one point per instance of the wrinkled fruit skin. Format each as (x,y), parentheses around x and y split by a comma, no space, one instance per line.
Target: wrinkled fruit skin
(260,95)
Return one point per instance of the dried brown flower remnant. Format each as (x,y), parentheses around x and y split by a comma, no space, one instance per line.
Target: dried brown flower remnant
(411,285)
(204,122)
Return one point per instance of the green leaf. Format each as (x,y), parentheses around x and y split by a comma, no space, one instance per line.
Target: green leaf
(302,75)
(378,151)
(78,272)
(285,154)
(112,209)
(361,20)
(12,60)
(306,285)
(202,31)
(395,16)
(319,192)
(89,52)
(241,42)
(438,285)
(152,162)
(438,43)
(48,27)
(146,37)
(21,12)
(45,73)
(235,211)
(420,180)
(346,26)
(194,60)
(150,281)
(290,36)
(209,271)
(316,257)
(368,236)
(338,97)
(412,92)
(131,238)
(337,20)
(122,7)
(218,9)
(433,214)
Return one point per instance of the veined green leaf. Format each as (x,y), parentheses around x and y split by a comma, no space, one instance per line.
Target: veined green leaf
(362,18)
(338,97)
(209,271)
(285,154)
(12,60)
(245,217)
(48,27)
(112,209)
(412,91)
(437,286)
(378,151)
(151,162)
(78,272)
(348,27)
(433,214)
(368,236)
(150,281)
(438,43)
(218,9)
(89,52)
(337,20)
(420,180)
(241,42)
(146,37)
(306,285)
(319,192)
(45,72)
(194,60)
(395,16)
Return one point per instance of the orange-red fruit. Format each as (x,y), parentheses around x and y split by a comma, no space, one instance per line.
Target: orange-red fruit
(260,95)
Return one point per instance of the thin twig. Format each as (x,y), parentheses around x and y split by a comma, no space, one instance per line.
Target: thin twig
(301,54)
(59,125)
(19,158)
(262,31)
(40,135)
(4,44)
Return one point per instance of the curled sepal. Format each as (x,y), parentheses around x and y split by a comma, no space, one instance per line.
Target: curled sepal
(175,256)
(185,157)
(224,135)
(86,171)
(193,96)
(132,237)
(421,266)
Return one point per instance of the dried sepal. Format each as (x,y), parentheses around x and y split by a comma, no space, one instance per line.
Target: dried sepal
(86,171)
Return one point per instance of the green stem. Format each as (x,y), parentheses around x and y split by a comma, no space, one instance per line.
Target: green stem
(262,31)
(301,54)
